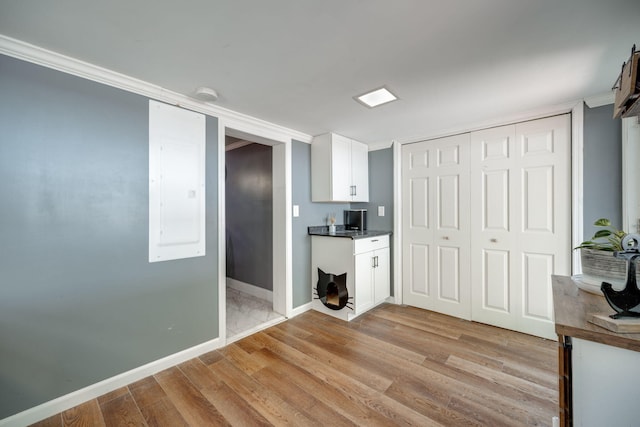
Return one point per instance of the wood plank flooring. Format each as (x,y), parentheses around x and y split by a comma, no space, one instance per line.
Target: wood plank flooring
(392,366)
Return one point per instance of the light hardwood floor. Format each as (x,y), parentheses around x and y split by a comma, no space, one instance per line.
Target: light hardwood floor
(392,366)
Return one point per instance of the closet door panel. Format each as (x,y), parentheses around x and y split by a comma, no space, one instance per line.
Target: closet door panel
(494,211)
(435,187)
(544,235)
(495,187)
(495,281)
(418,269)
(538,302)
(449,286)
(537,199)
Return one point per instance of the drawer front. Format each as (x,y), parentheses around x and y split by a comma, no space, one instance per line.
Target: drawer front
(370,244)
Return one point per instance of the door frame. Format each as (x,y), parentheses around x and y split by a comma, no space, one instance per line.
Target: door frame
(282,214)
(630,174)
(577,125)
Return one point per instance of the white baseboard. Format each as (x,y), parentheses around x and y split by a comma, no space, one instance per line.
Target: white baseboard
(253,290)
(300,309)
(62,403)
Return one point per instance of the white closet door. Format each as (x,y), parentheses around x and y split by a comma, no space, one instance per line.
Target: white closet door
(544,231)
(493,241)
(435,186)
(521,234)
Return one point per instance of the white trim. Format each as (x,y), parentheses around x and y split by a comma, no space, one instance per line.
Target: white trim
(630,175)
(300,309)
(250,289)
(600,100)
(538,113)
(62,403)
(577,183)
(279,227)
(288,219)
(282,296)
(37,55)
(222,237)
(397,226)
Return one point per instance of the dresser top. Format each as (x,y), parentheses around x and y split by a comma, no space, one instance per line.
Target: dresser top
(572,308)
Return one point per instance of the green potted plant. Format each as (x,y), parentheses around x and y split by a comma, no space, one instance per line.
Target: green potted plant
(596,255)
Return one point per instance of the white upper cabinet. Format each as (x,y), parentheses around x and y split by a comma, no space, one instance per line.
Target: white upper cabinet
(339,169)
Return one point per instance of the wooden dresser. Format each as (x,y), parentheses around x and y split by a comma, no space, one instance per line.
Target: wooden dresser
(617,357)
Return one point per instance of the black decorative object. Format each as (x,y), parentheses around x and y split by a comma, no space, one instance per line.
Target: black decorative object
(625,300)
(332,291)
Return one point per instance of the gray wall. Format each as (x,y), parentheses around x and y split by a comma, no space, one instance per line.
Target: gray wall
(310,214)
(249,216)
(380,190)
(380,194)
(79,301)
(602,168)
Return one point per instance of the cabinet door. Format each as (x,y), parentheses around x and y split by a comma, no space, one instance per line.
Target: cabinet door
(340,168)
(360,171)
(364,282)
(382,286)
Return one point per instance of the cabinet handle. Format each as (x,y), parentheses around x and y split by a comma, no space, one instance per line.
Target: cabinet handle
(494,240)
(374,240)
(355,190)
(445,238)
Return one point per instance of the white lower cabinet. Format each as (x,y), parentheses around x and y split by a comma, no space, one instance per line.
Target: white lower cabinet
(604,384)
(366,263)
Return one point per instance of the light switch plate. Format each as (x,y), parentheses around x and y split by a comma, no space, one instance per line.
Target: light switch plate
(296,210)
(380,210)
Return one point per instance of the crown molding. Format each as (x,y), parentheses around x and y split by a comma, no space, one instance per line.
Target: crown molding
(66,64)
(600,100)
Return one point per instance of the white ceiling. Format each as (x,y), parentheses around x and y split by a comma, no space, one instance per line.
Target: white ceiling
(299,63)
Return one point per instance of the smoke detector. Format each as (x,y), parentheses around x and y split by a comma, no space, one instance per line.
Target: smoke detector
(206,94)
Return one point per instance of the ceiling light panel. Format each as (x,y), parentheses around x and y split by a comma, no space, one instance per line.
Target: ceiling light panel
(376,97)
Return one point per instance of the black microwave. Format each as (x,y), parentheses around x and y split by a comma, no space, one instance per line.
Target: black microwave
(355,219)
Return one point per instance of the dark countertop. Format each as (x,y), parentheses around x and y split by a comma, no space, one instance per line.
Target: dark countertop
(572,307)
(323,230)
